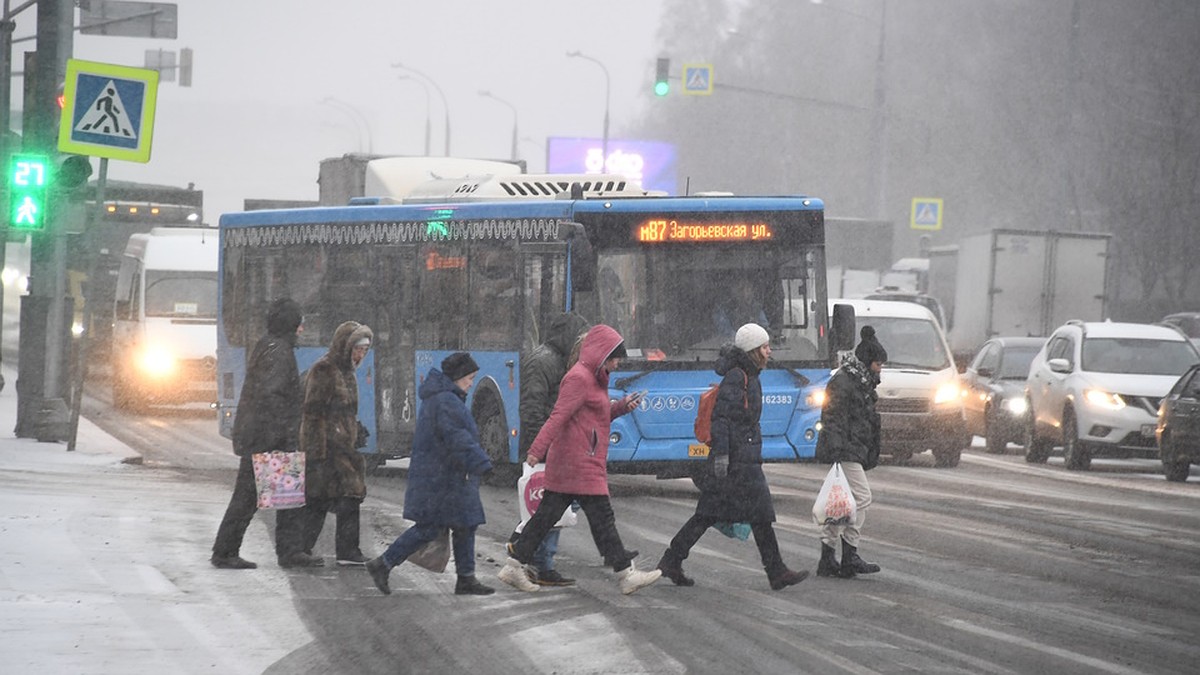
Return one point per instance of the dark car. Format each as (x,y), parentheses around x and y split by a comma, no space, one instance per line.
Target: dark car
(1178,430)
(994,390)
(1188,322)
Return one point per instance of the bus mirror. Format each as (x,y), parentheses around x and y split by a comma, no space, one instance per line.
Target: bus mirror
(569,231)
(842,331)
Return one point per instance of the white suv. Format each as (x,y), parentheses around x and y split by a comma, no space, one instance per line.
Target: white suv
(1094,388)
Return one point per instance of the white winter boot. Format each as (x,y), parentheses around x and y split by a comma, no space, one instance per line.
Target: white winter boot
(630,579)
(514,574)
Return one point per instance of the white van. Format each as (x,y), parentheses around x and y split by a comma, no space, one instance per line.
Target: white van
(165,318)
(920,400)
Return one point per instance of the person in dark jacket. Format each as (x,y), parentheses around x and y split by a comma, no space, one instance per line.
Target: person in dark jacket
(336,472)
(574,445)
(541,372)
(850,435)
(736,489)
(268,420)
(444,473)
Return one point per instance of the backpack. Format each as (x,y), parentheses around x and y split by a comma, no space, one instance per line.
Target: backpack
(704,411)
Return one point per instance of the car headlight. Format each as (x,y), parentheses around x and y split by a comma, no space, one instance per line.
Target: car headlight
(1104,399)
(947,392)
(1017,405)
(157,362)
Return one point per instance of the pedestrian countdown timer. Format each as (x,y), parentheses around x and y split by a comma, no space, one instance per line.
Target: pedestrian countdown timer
(28,176)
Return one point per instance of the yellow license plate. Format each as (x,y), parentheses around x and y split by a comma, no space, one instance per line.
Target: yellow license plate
(698,450)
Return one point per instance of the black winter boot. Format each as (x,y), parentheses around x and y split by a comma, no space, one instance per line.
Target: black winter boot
(471,586)
(853,563)
(828,566)
(674,571)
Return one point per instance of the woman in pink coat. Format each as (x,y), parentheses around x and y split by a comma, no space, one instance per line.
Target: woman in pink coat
(574,444)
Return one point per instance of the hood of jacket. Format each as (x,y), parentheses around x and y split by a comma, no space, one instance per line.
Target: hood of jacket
(564,329)
(343,341)
(283,318)
(731,357)
(437,382)
(600,341)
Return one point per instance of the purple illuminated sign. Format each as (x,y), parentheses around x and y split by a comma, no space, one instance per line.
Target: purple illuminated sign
(651,164)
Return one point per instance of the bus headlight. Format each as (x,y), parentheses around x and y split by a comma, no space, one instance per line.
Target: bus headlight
(947,392)
(157,362)
(816,398)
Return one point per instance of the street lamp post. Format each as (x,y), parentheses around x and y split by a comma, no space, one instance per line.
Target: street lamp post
(607,92)
(356,117)
(488,94)
(425,88)
(441,94)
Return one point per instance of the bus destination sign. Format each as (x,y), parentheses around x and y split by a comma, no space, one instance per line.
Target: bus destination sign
(675,230)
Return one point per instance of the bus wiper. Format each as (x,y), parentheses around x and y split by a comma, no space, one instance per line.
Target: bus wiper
(624,382)
(801,380)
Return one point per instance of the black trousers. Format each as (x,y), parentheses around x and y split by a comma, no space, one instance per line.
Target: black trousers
(697,525)
(600,517)
(242,507)
(346,536)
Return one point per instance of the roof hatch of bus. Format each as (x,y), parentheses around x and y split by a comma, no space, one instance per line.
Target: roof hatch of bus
(527,186)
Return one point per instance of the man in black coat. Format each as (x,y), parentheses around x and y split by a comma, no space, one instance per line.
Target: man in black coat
(541,372)
(850,435)
(268,420)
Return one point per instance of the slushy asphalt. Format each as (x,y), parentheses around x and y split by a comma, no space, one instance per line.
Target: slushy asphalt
(104,566)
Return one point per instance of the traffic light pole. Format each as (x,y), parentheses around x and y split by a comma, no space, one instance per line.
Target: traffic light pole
(92,221)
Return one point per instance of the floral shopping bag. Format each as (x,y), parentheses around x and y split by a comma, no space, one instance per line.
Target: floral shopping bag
(279,479)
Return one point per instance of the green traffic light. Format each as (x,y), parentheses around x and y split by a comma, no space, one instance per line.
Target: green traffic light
(662,88)
(28,176)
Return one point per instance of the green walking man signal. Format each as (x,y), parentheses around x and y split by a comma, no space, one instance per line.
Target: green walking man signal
(28,179)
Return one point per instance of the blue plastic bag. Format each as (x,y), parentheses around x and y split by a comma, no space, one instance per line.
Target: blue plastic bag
(740,531)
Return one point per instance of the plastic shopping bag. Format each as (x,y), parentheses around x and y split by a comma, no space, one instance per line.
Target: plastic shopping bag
(433,555)
(835,503)
(279,479)
(739,531)
(529,495)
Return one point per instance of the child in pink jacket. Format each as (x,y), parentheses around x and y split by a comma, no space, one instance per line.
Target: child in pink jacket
(574,444)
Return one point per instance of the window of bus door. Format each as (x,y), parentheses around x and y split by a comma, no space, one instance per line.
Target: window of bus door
(442,295)
(685,303)
(544,282)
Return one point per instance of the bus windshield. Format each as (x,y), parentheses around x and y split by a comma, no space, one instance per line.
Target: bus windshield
(178,294)
(684,303)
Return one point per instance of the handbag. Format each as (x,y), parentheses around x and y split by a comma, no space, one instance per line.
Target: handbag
(835,503)
(433,555)
(739,531)
(279,479)
(530,486)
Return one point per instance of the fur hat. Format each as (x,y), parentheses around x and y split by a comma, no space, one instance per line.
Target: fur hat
(869,350)
(458,365)
(751,337)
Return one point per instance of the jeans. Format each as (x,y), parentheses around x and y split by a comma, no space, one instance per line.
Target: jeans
(601,521)
(462,541)
(697,525)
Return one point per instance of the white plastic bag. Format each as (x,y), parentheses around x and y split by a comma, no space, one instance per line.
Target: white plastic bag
(835,503)
(529,495)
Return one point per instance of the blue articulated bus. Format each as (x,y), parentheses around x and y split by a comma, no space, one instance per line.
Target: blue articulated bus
(483,264)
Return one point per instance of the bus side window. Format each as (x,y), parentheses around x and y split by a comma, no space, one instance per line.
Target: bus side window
(442,296)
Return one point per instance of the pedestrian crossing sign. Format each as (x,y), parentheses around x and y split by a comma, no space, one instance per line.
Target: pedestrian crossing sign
(926,213)
(698,78)
(108,111)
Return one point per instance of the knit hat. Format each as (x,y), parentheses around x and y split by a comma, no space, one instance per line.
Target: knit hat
(869,350)
(458,365)
(751,337)
(363,342)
